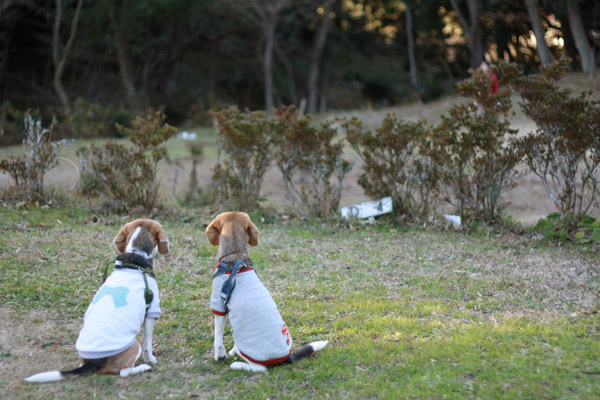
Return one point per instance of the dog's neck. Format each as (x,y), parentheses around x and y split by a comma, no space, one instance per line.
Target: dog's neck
(138,258)
(233,248)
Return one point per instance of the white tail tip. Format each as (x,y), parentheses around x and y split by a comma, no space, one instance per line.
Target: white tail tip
(319,344)
(50,376)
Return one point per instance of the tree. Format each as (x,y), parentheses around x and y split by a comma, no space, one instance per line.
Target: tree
(264,13)
(410,42)
(586,52)
(544,52)
(60,57)
(315,56)
(472,31)
(122,54)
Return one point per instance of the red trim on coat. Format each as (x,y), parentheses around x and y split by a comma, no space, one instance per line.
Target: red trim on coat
(268,362)
(243,269)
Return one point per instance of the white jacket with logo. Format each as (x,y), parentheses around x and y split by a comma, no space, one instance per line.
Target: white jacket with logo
(258,329)
(116,314)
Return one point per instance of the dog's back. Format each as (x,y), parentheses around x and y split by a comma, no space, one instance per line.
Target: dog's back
(259,331)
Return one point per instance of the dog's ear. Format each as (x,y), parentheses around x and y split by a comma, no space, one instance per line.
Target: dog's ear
(213,230)
(120,241)
(253,232)
(161,239)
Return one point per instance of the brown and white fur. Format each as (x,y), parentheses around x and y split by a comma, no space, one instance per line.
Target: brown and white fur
(231,231)
(142,237)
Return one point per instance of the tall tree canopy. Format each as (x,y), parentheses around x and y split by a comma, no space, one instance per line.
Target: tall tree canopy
(328,54)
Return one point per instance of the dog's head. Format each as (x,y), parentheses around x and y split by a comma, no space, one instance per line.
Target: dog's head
(143,235)
(234,225)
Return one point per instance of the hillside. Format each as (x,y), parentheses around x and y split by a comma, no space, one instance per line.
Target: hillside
(528,201)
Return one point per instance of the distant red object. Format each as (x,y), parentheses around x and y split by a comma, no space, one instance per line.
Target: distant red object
(494,88)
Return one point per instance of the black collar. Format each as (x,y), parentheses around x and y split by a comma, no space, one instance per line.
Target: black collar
(224,267)
(135,259)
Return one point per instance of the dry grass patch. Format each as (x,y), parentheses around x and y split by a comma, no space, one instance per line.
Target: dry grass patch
(409,313)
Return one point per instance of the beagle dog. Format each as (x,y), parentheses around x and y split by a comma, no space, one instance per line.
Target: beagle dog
(261,338)
(107,342)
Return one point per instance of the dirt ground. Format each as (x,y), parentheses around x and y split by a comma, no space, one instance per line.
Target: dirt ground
(528,202)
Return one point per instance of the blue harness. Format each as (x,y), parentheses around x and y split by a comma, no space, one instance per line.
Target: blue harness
(229,284)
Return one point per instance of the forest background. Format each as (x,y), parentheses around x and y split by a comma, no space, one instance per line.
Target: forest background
(120,57)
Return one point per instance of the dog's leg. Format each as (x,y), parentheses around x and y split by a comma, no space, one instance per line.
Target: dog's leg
(233,351)
(220,352)
(250,367)
(148,331)
(245,366)
(135,370)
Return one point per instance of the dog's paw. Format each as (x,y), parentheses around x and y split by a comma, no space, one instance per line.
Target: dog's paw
(220,353)
(142,368)
(250,367)
(149,357)
(125,372)
(232,352)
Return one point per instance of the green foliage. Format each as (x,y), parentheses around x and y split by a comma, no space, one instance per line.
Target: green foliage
(89,120)
(127,174)
(564,152)
(308,160)
(39,157)
(394,165)
(245,143)
(555,229)
(473,151)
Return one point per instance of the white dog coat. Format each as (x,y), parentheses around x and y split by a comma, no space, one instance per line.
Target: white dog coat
(115,316)
(258,329)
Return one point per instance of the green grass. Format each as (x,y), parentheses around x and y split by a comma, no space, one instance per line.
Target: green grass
(409,313)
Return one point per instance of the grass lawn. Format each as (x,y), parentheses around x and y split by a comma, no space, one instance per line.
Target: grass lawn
(409,313)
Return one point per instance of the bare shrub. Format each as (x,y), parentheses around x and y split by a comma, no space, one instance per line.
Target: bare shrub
(564,152)
(473,153)
(127,174)
(244,154)
(11,123)
(88,120)
(394,165)
(309,160)
(39,157)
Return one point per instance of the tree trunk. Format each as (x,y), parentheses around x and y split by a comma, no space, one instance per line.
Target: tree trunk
(411,48)
(60,60)
(315,58)
(289,69)
(536,22)
(268,61)
(586,52)
(471,30)
(570,49)
(122,59)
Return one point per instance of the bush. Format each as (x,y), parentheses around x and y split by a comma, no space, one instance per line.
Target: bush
(195,194)
(245,143)
(39,157)
(127,174)
(553,229)
(89,120)
(11,123)
(473,151)
(393,165)
(564,152)
(308,159)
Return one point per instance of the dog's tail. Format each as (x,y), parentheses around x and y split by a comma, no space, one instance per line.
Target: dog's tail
(307,350)
(88,367)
